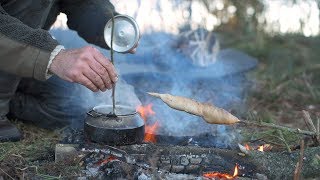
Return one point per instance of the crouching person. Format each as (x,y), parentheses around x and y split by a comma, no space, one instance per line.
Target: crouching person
(38,77)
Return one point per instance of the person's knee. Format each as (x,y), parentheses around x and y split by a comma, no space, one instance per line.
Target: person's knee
(47,113)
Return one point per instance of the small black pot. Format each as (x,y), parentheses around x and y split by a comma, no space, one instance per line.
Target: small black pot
(127,127)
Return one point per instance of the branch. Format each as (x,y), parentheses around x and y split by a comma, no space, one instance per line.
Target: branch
(6,174)
(318,129)
(308,121)
(275,126)
(297,171)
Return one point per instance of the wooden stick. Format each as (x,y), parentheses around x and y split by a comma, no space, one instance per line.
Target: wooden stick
(318,129)
(215,115)
(274,126)
(297,171)
(6,174)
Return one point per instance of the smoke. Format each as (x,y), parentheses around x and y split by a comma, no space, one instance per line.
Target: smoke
(159,66)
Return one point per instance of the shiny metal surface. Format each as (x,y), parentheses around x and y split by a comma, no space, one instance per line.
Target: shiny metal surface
(126,33)
(120,110)
(101,126)
(126,118)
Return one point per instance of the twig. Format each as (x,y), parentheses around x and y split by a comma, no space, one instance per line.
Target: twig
(6,174)
(318,129)
(297,171)
(275,126)
(308,121)
(311,126)
(284,141)
(22,169)
(48,177)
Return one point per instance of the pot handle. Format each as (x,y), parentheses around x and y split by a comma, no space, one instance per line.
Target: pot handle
(94,114)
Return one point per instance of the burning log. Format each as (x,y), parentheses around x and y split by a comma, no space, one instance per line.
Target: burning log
(195,160)
(208,112)
(206,161)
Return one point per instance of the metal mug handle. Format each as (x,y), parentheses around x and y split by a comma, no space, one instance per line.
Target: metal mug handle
(93,113)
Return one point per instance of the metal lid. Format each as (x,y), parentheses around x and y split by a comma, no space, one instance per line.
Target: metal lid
(120,110)
(126,33)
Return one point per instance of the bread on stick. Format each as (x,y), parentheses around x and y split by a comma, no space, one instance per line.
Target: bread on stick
(208,112)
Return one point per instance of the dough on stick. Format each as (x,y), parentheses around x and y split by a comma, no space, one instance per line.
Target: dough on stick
(208,112)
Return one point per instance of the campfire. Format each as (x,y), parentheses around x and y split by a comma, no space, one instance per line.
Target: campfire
(177,145)
(159,155)
(156,157)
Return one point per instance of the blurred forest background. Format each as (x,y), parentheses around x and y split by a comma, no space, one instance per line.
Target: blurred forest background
(284,36)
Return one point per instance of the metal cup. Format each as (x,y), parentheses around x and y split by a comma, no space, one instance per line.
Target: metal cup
(126,33)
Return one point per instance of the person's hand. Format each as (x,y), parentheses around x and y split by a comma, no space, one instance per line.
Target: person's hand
(86,66)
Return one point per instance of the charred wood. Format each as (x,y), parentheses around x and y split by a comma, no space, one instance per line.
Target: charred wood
(195,160)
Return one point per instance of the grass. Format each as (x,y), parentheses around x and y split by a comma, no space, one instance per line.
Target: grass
(33,156)
(287,79)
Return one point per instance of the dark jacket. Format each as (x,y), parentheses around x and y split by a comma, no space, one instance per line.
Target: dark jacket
(26,45)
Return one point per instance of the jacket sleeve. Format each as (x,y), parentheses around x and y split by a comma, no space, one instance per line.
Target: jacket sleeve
(88,18)
(24,51)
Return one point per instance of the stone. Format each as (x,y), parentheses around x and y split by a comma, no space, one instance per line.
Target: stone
(177,169)
(165,160)
(196,160)
(65,153)
(166,168)
(192,168)
(175,160)
(184,161)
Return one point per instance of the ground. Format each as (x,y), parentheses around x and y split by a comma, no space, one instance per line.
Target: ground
(287,81)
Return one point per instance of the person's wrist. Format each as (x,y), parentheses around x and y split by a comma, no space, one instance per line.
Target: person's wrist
(53,57)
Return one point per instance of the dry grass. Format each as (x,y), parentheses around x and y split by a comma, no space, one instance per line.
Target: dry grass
(33,156)
(287,80)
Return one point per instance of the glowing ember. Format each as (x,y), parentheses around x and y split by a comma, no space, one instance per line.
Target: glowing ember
(105,161)
(222,175)
(145,111)
(260,148)
(247,147)
(149,136)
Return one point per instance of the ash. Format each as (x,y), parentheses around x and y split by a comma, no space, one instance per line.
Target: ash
(72,136)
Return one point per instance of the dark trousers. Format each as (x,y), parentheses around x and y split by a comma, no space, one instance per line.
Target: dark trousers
(50,104)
